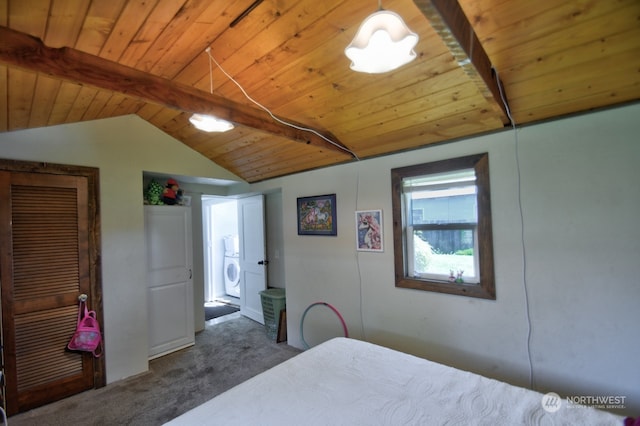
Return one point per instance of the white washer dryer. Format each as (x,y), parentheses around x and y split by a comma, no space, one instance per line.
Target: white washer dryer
(232,276)
(231,266)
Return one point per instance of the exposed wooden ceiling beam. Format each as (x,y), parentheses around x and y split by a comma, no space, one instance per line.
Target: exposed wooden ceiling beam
(29,53)
(448,20)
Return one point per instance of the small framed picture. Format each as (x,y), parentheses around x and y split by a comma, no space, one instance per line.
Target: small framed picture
(369,230)
(317,215)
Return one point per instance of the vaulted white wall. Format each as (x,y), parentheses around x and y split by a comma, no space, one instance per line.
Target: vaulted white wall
(580,200)
(122,148)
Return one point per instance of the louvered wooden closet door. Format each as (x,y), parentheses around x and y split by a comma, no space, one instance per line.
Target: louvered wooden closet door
(44,266)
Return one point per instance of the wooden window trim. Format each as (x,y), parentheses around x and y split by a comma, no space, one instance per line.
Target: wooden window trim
(486,288)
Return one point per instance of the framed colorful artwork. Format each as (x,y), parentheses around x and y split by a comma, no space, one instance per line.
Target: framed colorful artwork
(317,215)
(369,230)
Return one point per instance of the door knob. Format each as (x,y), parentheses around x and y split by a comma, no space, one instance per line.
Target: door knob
(263,262)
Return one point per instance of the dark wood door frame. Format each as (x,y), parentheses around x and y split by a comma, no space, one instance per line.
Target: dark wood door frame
(95,273)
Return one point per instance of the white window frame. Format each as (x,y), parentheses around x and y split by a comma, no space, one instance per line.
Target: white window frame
(463,186)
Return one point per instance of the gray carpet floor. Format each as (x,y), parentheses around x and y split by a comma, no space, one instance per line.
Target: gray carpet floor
(225,354)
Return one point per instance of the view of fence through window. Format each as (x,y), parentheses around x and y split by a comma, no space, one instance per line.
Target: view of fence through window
(443,218)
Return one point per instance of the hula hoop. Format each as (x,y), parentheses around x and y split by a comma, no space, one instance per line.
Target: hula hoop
(344,325)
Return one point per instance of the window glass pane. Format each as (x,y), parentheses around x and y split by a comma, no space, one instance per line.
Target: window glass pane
(437,203)
(442,198)
(456,205)
(439,252)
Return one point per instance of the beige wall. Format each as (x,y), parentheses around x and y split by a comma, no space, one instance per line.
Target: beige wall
(122,148)
(579,197)
(580,201)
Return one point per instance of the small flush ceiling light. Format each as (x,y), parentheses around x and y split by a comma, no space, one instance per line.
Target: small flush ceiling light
(209,123)
(383,43)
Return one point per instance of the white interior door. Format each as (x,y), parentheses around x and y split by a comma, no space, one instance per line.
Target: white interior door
(169,274)
(253,262)
(208,250)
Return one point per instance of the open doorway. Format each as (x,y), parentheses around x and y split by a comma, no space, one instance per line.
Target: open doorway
(257,221)
(222,290)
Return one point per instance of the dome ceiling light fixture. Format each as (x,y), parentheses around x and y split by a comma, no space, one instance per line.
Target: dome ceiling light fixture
(209,123)
(383,43)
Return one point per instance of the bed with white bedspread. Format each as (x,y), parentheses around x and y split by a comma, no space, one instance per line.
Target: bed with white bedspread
(349,382)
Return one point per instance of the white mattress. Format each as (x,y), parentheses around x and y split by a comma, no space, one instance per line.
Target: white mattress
(349,382)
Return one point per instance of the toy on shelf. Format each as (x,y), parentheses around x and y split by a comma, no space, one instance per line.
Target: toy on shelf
(153,195)
(158,195)
(172,194)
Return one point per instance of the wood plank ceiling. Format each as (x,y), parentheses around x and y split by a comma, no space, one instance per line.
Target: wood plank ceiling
(553,58)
